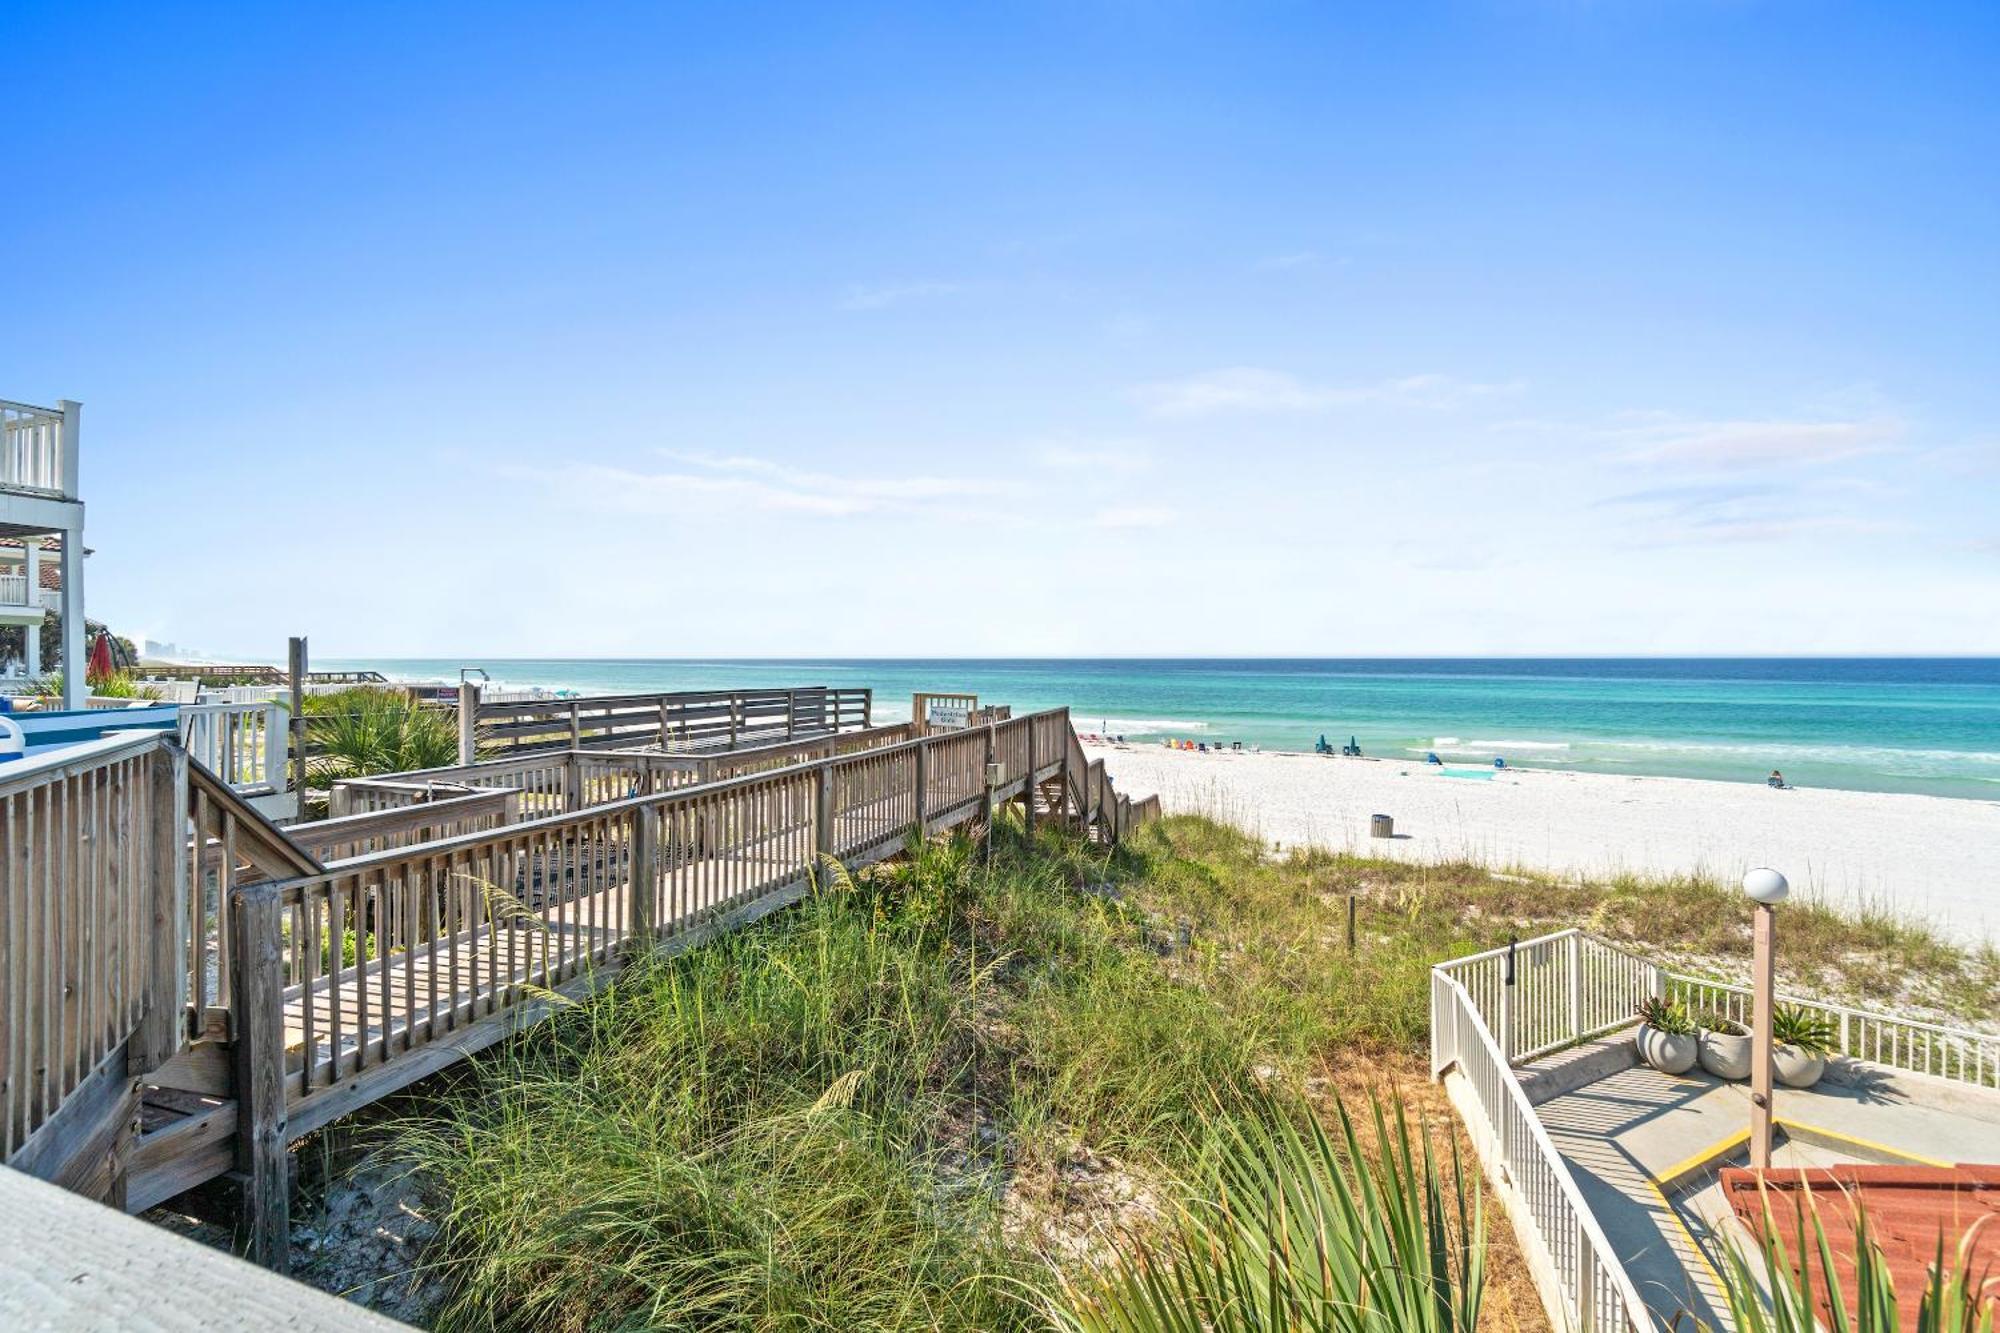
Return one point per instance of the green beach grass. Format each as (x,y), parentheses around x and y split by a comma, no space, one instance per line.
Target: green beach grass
(936,1095)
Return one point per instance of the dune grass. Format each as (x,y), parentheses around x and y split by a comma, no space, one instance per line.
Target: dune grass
(879,1110)
(936,1095)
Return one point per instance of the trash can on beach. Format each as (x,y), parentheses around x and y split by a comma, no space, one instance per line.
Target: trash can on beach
(1381,826)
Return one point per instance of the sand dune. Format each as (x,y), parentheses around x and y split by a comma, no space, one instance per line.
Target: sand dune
(1926,856)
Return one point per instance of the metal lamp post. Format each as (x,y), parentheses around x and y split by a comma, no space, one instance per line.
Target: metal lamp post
(1767,888)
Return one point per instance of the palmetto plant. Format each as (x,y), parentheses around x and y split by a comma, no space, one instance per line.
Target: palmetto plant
(1795,1025)
(1771,1288)
(1307,1235)
(358,732)
(1668,1016)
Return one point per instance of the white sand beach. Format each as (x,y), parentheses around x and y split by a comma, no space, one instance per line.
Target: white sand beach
(1928,856)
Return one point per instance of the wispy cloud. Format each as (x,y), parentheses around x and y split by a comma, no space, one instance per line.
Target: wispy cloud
(1297,259)
(1712,513)
(880,296)
(1687,499)
(1721,529)
(1772,442)
(1252,389)
(742,483)
(1135,516)
(1097,456)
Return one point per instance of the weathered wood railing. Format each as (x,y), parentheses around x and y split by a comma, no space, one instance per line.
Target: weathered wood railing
(553,782)
(693,720)
(87,979)
(230,846)
(364,976)
(446,816)
(548,893)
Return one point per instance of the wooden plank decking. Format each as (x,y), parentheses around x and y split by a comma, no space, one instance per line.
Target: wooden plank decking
(447,984)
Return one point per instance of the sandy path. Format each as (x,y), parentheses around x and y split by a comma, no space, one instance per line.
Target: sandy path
(1927,856)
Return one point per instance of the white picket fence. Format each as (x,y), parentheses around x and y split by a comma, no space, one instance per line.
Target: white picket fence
(241,743)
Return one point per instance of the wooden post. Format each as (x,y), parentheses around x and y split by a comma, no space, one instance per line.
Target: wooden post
(295,661)
(923,780)
(1763,986)
(575,725)
(468,721)
(1505,1036)
(867,709)
(992,774)
(823,806)
(257,1052)
(1063,810)
(666,722)
(1351,901)
(791,713)
(644,874)
(735,711)
(1028,792)
(164,1022)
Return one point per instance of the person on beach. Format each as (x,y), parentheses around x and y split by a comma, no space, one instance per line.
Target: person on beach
(1776,780)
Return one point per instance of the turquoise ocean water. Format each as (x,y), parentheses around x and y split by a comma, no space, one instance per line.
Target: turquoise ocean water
(1879,724)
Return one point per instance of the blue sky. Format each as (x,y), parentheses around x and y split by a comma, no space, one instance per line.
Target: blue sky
(1064,329)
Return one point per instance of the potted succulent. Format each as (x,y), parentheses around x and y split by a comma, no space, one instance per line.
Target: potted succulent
(1666,1036)
(1725,1047)
(1803,1040)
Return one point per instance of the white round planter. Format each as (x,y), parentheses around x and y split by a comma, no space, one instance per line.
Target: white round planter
(1726,1055)
(1670,1053)
(1794,1068)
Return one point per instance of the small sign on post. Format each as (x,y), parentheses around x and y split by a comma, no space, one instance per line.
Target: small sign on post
(945,717)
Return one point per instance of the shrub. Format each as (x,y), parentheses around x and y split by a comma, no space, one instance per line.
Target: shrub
(368,730)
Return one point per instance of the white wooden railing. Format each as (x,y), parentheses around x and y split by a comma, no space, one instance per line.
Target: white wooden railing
(1597,1292)
(242,744)
(36,449)
(1571,986)
(1958,1054)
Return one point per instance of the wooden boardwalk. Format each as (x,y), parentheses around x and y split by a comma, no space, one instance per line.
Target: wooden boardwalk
(451,908)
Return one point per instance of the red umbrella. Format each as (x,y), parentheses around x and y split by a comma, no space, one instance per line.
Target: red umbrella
(100,660)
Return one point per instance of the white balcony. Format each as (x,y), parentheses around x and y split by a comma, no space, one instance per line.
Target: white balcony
(16,598)
(38,454)
(40,495)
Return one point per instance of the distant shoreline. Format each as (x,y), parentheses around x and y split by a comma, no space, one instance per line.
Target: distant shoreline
(1925,725)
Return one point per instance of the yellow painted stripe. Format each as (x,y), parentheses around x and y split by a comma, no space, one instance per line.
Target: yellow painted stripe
(1693,1244)
(1915,1159)
(1674,1174)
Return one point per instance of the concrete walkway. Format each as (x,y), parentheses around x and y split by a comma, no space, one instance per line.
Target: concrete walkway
(1645,1147)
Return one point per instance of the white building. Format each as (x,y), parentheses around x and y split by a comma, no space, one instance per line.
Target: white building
(39,497)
